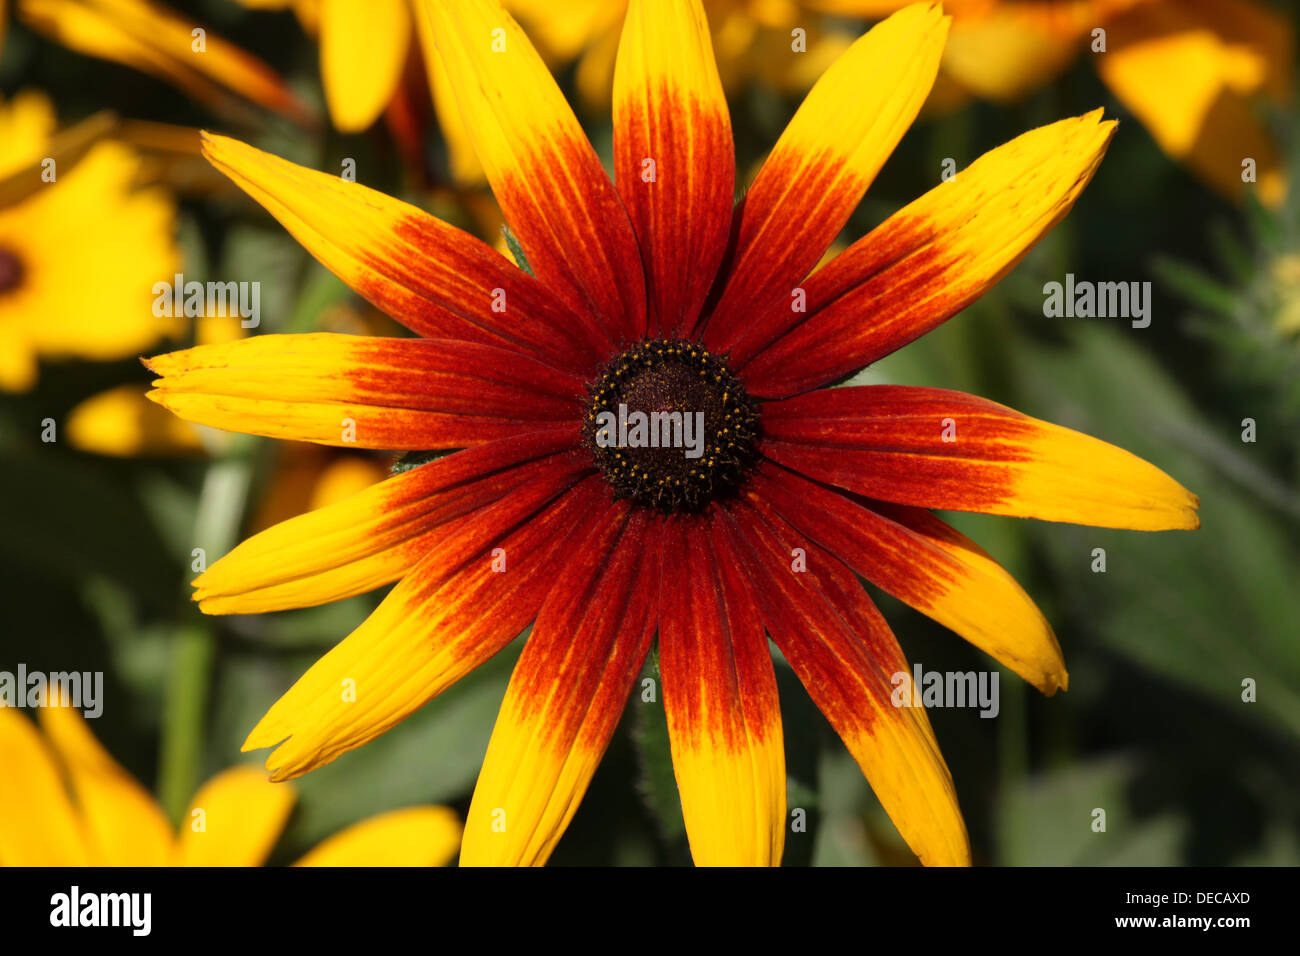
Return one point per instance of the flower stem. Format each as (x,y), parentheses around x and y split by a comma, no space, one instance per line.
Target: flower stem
(220,510)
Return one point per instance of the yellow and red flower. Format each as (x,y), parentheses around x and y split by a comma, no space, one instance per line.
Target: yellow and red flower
(656,292)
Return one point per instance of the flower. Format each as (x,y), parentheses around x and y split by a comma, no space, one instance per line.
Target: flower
(148,36)
(365,50)
(657,295)
(66,802)
(80,247)
(1191,71)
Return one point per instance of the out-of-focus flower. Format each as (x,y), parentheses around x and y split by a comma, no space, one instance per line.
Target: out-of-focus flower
(1193,72)
(366,49)
(150,37)
(753,39)
(651,293)
(80,247)
(64,801)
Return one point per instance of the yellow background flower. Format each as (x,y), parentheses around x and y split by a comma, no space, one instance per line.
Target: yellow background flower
(103,817)
(82,251)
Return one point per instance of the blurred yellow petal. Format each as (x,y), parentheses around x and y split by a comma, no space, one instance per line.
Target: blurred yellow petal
(17,361)
(235,819)
(562,29)
(27,125)
(363,48)
(38,824)
(343,478)
(1007,54)
(594,74)
(88,228)
(218,329)
(149,37)
(466,169)
(123,821)
(1190,72)
(771,60)
(122,422)
(309,477)
(416,836)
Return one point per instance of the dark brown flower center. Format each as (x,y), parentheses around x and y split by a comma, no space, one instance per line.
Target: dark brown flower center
(670,426)
(11,270)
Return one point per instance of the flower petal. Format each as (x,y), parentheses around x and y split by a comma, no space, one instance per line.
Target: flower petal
(1191,72)
(123,423)
(462,160)
(38,824)
(543,171)
(363,48)
(935,448)
(378,535)
(724,718)
(147,36)
(365,392)
(673,154)
(846,128)
(435,279)
(844,654)
(123,821)
(235,819)
(927,262)
(923,562)
(469,597)
(414,836)
(567,692)
(1011,49)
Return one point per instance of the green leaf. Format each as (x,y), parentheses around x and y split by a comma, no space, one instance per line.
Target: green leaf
(517,250)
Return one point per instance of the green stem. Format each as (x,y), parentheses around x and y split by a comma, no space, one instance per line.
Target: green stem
(220,510)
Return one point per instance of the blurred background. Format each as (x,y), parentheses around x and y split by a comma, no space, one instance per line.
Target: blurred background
(102,514)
